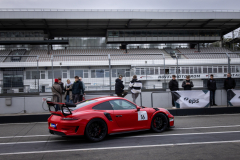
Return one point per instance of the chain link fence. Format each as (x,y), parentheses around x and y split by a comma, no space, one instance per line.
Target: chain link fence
(25,72)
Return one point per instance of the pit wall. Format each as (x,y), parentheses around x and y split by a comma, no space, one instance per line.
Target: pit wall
(33,104)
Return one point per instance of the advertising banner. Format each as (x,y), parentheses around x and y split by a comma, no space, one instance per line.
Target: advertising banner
(191,99)
(233,97)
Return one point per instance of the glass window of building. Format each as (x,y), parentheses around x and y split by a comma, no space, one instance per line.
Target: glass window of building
(79,73)
(155,33)
(57,74)
(210,69)
(151,71)
(99,73)
(138,71)
(214,69)
(42,74)
(225,69)
(114,73)
(233,68)
(195,69)
(205,69)
(35,75)
(72,74)
(50,75)
(121,72)
(143,34)
(162,71)
(220,69)
(143,71)
(121,33)
(191,70)
(237,68)
(156,71)
(28,74)
(64,73)
(149,33)
(85,73)
(106,73)
(93,73)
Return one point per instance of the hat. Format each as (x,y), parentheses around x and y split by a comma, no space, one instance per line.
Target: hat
(56,80)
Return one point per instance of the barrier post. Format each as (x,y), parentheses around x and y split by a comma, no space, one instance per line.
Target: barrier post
(177,65)
(141,99)
(229,65)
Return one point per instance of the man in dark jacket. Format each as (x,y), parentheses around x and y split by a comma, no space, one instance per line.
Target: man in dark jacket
(229,83)
(173,86)
(76,89)
(212,86)
(119,87)
(187,84)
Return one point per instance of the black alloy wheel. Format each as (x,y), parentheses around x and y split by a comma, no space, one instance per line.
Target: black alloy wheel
(159,123)
(96,130)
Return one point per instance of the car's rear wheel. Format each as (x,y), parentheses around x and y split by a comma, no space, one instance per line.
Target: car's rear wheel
(159,123)
(96,130)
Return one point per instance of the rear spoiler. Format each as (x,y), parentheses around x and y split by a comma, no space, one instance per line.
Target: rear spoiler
(63,105)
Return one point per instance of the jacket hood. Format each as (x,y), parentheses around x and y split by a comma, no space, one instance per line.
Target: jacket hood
(118,80)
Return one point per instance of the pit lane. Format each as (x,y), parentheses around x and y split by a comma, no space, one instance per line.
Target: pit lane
(194,136)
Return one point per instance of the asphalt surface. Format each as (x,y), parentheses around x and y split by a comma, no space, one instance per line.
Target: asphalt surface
(194,137)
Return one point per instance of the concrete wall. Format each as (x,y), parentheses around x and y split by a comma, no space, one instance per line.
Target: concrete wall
(34,104)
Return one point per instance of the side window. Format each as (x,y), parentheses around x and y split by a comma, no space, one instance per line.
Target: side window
(103,106)
(122,105)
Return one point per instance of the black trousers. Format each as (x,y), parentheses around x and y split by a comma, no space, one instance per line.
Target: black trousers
(212,97)
(173,103)
(80,97)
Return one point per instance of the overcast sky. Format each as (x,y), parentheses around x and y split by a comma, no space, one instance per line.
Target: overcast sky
(122,4)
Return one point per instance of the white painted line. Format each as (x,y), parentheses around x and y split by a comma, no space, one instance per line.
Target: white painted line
(182,134)
(155,135)
(210,127)
(3,124)
(50,141)
(28,136)
(122,147)
(211,115)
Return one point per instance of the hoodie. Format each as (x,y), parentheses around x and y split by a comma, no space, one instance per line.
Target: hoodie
(119,86)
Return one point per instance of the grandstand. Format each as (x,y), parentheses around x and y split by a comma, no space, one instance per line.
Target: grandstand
(40,50)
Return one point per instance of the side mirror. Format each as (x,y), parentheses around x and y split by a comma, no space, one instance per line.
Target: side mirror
(138,108)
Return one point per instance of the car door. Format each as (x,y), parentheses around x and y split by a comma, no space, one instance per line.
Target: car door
(127,116)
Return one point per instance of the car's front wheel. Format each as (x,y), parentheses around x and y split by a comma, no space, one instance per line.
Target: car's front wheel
(96,130)
(159,123)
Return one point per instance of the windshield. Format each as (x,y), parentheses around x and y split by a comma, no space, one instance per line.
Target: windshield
(83,104)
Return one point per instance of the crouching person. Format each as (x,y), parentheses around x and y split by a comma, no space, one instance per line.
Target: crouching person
(136,87)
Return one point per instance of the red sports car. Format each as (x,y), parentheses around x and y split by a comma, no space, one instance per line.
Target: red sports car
(98,117)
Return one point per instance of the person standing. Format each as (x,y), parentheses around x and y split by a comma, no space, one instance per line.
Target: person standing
(57,93)
(68,91)
(136,86)
(82,92)
(229,82)
(173,86)
(212,86)
(76,89)
(61,84)
(119,87)
(187,84)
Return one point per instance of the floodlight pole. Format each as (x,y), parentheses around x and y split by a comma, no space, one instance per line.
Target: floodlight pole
(229,61)
(38,72)
(110,74)
(177,64)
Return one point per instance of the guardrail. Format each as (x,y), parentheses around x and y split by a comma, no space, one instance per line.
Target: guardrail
(116,10)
